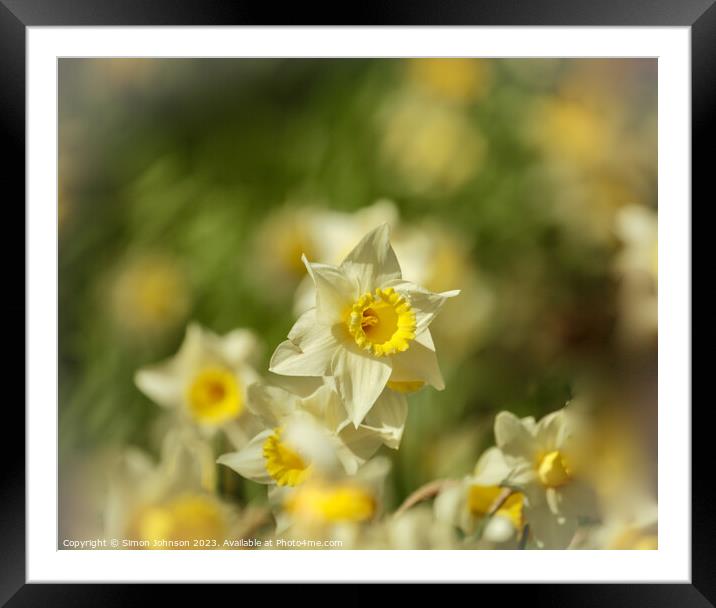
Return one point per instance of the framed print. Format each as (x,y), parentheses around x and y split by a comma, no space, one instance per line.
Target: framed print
(398,302)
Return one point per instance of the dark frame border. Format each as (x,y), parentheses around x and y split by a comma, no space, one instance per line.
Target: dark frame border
(16,15)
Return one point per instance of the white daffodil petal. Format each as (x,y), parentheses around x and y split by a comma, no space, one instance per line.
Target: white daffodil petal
(271,404)
(387,417)
(250,461)
(499,529)
(360,379)
(303,325)
(426,304)
(334,291)
(548,431)
(238,346)
(197,342)
(550,531)
(311,357)
(303,433)
(576,499)
(513,437)
(450,503)
(301,386)
(426,339)
(417,363)
(277,495)
(372,262)
(161,383)
(524,476)
(491,469)
(356,446)
(325,404)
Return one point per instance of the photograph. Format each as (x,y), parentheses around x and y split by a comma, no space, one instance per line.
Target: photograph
(357,303)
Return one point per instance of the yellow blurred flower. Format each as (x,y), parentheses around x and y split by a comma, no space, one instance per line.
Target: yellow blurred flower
(333,506)
(165,505)
(597,152)
(461,80)
(178,522)
(331,503)
(571,132)
(150,294)
(431,146)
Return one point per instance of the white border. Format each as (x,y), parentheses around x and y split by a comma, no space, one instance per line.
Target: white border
(670,563)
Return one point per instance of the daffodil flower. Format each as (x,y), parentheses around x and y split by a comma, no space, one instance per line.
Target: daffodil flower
(167,505)
(544,460)
(331,505)
(303,436)
(206,381)
(369,328)
(469,503)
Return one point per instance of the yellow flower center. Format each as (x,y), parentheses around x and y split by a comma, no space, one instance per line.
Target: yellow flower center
(552,470)
(318,503)
(382,322)
(480,500)
(186,518)
(215,396)
(285,465)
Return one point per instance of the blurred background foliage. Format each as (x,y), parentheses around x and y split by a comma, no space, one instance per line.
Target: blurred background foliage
(183,184)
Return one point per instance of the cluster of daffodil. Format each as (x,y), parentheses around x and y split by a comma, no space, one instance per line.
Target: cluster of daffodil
(339,388)
(312,428)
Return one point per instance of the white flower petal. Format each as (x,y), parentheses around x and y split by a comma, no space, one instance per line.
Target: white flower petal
(301,386)
(335,291)
(387,417)
(499,529)
(271,404)
(514,438)
(198,347)
(325,404)
(575,499)
(549,430)
(250,461)
(450,503)
(491,468)
(303,433)
(523,475)
(356,446)
(238,346)
(277,496)
(426,304)
(417,363)
(162,383)
(360,379)
(372,262)
(309,355)
(426,339)
(550,531)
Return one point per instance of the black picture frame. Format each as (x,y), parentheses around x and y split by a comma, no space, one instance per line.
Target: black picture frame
(17,15)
